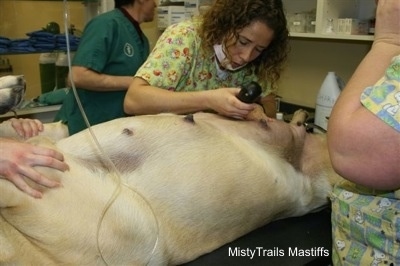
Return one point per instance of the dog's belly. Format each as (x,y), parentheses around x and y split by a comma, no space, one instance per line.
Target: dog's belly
(189,182)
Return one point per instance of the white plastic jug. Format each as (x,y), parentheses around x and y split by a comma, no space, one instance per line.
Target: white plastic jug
(326,98)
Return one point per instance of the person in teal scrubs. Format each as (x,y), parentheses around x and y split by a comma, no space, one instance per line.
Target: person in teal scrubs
(110,52)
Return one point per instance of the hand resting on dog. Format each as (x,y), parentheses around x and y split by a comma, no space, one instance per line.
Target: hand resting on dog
(17,159)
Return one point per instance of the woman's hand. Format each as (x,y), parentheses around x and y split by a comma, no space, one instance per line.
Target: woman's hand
(17,161)
(224,101)
(26,128)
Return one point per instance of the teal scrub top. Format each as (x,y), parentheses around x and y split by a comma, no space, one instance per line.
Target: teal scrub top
(111,44)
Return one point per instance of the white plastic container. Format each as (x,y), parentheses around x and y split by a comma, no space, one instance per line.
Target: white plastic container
(326,98)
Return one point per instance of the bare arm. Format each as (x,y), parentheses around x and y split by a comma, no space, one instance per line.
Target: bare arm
(362,147)
(142,98)
(17,161)
(26,128)
(86,78)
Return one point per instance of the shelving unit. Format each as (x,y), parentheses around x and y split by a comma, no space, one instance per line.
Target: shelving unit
(45,113)
(36,14)
(332,9)
(332,36)
(315,53)
(35,52)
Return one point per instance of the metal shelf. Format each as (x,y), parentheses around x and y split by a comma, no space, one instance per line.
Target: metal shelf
(332,36)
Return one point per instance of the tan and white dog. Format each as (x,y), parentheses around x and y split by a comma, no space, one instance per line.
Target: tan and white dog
(179,187)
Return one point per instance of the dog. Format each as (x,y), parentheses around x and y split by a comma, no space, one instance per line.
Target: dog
(164,189)
(12,92)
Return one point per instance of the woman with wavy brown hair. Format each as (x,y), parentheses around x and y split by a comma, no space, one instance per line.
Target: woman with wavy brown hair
(200,64)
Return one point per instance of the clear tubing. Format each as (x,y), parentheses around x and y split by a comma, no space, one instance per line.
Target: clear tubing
(106,158)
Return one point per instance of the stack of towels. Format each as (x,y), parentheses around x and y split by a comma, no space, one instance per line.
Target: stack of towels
(38,41)
(4,44)
(61,42)
(42,40)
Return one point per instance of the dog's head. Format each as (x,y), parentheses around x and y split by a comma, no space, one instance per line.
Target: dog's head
(12,91)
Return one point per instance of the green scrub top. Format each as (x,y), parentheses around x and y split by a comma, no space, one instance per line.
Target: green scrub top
(111,45)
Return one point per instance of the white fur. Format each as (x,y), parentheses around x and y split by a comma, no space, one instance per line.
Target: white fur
(10,81)
(184,188)
(55,131)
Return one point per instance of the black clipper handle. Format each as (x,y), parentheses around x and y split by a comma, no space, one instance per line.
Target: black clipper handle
(250,92)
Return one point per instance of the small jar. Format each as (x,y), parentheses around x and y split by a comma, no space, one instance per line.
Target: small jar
(279,116)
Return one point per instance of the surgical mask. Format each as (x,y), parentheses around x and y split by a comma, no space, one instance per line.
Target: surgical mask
(223,60)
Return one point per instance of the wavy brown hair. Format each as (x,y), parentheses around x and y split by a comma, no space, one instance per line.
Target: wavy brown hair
(226,17)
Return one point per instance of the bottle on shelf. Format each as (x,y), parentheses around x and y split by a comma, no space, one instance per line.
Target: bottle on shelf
(330,27)
(62,70)
(47,68)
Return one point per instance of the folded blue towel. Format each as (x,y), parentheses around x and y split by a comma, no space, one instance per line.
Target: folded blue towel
(43,39)
(39,41)
(40,33)
(64,37)
(23,49)
(19,40)
(20,43)
(47,46)
(64,48)
(4,41)
(62,41)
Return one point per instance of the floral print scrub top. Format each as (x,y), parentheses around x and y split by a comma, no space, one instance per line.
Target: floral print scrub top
(178,63)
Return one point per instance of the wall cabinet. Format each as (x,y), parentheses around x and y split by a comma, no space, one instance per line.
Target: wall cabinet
(328,12)
(314,54)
